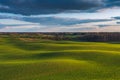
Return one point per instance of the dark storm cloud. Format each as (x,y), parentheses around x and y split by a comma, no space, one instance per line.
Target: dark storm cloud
(118,18)
(113,3)
(118,22)
(29,7)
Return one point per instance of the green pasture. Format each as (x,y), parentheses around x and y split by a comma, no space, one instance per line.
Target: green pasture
(26,59)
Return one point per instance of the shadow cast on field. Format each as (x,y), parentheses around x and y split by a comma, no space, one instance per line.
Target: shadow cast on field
(98,57)
(113,42)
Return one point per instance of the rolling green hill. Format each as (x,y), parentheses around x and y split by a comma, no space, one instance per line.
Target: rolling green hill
(35,59)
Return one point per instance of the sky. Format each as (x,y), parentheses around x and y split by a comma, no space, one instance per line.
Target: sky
(59,15)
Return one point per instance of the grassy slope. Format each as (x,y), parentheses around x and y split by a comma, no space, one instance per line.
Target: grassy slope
(58,60)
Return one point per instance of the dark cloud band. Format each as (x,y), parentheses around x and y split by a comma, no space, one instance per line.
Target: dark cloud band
(29,7)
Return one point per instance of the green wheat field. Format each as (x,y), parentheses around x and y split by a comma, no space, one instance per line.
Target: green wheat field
(39,59)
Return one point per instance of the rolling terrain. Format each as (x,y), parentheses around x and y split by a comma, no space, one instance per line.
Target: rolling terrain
(42,59)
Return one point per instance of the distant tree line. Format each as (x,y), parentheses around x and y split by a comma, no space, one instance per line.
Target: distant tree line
(85,36)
